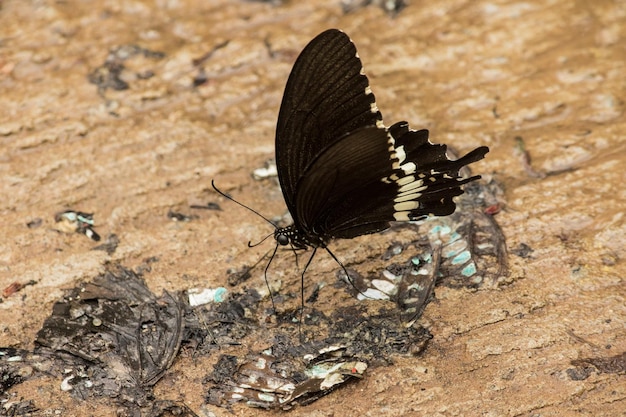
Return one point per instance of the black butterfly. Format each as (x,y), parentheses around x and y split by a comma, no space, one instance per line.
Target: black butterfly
(342,172)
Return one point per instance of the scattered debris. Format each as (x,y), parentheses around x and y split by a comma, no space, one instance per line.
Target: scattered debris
(611,365)
(110,330)
(110,245)
(113,338)
(291,373)
(272,2)
(9,376)
(474,249)
(180,217)
(19,408)
(35,223)
(391,7)
(198,296)
(524,157)
(208,206)
(260,380)
(408,283)
(110,75)
(71,221)
(269,170)
(202,77)
(523,251)
(199,61)
(15,287)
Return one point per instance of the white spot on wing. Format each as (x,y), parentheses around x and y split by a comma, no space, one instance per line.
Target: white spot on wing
(407,197)
(401,216)
(406,206)
(409,167)
(405,180)
(410,182)
(400,154)
(412,186)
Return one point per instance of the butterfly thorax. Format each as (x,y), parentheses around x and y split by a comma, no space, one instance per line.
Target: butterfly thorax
(291,235)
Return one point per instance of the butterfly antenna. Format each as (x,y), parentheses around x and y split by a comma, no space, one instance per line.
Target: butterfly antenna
(251,245)
(223,194)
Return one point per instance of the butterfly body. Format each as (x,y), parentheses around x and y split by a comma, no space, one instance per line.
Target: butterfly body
(290,235)
(342,172)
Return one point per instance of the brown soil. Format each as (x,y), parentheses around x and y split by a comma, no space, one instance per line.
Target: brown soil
(474,73)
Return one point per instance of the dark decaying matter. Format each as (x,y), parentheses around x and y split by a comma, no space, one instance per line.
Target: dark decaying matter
(112,338)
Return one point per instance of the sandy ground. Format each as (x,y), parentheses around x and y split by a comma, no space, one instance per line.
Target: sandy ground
(473,73)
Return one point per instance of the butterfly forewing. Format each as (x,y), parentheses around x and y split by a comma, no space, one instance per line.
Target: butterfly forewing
(327,96)
(328,195)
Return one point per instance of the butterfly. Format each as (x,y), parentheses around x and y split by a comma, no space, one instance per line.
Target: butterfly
(342,172)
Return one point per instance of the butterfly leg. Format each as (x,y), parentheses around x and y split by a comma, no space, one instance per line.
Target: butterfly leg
(345,271)
(269,290)
(295,252)
(302,290)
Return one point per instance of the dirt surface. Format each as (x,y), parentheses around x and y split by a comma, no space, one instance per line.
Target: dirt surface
(473,73)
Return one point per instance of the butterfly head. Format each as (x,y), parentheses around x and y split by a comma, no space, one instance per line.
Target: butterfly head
(282,236)
(290,235)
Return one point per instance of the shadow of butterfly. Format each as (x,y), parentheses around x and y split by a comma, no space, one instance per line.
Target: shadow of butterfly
(342,172)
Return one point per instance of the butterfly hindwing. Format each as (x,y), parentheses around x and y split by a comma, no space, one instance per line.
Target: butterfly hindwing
(426,179)
(327,96)
(369,178)
(328,199)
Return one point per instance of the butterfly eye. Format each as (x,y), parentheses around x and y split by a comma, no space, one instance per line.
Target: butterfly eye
(282,239)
